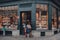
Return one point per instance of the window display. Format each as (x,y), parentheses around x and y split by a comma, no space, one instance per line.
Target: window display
(54,18)
(41,16)
(59,21)
(9,17)
(0,21)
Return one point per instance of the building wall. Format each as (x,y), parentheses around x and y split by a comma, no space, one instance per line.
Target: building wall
(31,6)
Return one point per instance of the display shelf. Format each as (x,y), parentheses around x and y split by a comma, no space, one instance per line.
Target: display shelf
(6,21)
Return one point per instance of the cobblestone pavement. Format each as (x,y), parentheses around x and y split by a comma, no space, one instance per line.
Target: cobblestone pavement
(54,37)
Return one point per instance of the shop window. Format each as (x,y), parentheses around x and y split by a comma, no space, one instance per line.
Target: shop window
(59,21)
(9,17)
(54,18)
(41,16)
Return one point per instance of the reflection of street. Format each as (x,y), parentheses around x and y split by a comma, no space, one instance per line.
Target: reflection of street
(55,37)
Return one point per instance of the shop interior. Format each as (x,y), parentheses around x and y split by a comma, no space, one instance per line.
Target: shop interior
(54,18)
(9,17)
(25,18)
(41,16)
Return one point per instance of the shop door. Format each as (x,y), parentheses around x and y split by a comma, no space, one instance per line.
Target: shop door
(25,18)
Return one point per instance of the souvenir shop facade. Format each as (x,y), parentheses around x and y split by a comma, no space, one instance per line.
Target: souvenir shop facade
(40,14)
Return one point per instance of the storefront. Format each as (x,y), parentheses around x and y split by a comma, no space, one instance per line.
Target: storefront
(40,14)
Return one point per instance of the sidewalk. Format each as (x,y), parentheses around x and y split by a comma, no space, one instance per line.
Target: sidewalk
(55,37)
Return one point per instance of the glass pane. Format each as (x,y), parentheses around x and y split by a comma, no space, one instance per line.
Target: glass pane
(59,21)
(54,18)
(41,16)
(9,19)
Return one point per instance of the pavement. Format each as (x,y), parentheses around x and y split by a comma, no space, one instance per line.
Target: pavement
(54,37)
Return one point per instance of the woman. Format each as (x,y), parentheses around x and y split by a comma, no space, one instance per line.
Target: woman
(29,30)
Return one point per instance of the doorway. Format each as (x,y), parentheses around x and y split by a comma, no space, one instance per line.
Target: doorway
(25,17)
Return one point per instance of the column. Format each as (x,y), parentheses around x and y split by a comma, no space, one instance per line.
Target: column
(49,17)
(57,17)
(33,16)
(18,19)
